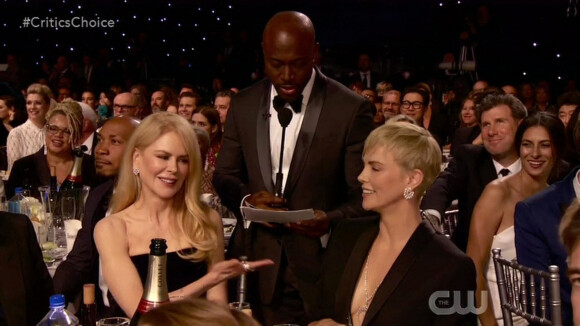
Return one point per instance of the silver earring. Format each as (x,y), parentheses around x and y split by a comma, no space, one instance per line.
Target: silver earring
(408,193)
(136,171)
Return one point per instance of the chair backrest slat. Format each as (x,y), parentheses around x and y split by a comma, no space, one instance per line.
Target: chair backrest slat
(517,286)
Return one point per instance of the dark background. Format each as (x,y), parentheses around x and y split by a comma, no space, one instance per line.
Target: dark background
(400,35)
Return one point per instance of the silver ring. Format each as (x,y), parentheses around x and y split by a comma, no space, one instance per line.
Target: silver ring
(247,267)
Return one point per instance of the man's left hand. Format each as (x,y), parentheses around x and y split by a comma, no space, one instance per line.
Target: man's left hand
(315,228)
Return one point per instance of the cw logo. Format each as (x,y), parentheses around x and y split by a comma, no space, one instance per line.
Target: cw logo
(442,299)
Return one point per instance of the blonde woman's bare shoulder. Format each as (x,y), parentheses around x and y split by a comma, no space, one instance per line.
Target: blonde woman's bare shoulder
(112,225)
(215,217)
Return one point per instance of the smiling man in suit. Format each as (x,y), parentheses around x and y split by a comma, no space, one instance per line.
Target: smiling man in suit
(475,166)
(322,158)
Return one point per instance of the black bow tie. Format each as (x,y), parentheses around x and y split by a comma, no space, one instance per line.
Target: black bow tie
(280,103)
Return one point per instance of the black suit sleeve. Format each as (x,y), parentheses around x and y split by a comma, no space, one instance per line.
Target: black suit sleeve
(362,125)
(230,176)
(443,191)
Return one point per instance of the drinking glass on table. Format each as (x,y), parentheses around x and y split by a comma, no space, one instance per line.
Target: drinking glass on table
(71,225)
(114,321)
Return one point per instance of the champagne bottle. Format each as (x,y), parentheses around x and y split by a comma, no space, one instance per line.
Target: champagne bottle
(74,180)
(53,182)
(155,290)
(89,308)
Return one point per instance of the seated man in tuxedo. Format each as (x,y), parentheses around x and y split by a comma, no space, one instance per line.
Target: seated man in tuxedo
(82,263)
(536,228)
(475,166)
(25,283)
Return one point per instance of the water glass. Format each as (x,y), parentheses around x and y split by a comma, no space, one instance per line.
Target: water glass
(114,321)
(243,307)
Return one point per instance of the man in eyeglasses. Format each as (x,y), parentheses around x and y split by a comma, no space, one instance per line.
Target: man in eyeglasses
(126,104)
(391,104)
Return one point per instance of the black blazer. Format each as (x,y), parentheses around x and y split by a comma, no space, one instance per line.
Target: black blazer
(25,283)
(39,173)
(82,263)
(323,173)
(429,262)
(464,179)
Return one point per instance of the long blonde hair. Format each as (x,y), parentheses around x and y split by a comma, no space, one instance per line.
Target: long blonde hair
(191,215)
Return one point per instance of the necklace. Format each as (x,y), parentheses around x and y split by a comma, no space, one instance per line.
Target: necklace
(365,307)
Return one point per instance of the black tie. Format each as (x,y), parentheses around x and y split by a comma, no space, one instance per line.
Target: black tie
(280,103)
(504,172)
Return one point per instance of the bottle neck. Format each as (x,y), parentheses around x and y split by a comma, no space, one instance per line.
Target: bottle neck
(155,289)
(75,175)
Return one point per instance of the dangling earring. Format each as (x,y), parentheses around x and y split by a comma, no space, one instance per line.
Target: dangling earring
(136,171)
(408,193)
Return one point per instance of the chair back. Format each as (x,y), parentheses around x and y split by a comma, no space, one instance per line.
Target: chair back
(521,287)
(449,221)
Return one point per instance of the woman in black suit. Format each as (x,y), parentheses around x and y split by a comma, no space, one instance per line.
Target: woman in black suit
(387,270)
(63,131)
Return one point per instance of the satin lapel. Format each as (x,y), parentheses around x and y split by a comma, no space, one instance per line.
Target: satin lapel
(263,138)
(401,266)
(352,270)
(307,130)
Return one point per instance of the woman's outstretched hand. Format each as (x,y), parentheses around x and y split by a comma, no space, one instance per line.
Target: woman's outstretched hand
(224,270)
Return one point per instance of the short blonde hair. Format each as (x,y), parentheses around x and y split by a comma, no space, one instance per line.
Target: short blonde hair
(73,113)
(191,215)
(195,312)
(412,148)
(42,90)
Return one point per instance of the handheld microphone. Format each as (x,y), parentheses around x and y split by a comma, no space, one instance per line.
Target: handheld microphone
(284,117)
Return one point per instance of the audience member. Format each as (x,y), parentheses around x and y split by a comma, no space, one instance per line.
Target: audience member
(196,312)
(569,235)
(567,103)
(539,140)
(25,283)
(126,104)
(469,129)
(158,196)
(188,102)
(90,124)
(222,105)
(510,89)
(27,138)
(105,108)
(82,263)
(323,147)
(543,100)
(479,86)
(208,119)
(391,104)
(403,260)
(89,98)
(527,95)
(6,110)
(364,74)
(63,93)
(159,101)
(473,167)
(63,132)
(536,228)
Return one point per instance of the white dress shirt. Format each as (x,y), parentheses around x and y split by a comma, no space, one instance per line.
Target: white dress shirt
(514,168)
(292,132)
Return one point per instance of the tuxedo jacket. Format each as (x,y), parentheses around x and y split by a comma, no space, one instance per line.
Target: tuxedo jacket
(538,245)
(429,262)
(25,284)
(82,263)
(464,179)
(322,175)
(39,173)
